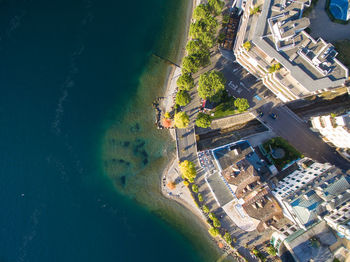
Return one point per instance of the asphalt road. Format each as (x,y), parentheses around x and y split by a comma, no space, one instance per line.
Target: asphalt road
(289,126)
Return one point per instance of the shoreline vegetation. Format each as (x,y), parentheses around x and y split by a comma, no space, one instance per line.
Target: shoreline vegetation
(185,194)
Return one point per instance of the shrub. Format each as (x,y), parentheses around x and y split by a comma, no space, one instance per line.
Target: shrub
(186,183)
(200,197)
(271,250)
(205,209)
(247,45)
(195,188)
(255,10)
(274,68)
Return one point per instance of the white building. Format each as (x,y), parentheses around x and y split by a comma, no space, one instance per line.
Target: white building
(296,195)
(275,36)
(339,220)
(334,129)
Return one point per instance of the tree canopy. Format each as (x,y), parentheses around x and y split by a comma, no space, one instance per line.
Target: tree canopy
(185,82)
(228,238)
(191,64)
(194,46)
(205,209)
(216,6)
(216,222)
(181,120)
(214,231)
(201,12)
(202,26)
(241,104)
(182,98)
(211,86)
(188,170)
(203,120)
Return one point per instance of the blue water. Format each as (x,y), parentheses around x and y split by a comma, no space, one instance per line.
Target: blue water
(339,9)
(73,77)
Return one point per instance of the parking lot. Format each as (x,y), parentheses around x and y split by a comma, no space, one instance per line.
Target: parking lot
(240,83)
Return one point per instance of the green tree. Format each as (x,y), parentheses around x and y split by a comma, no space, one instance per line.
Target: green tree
(201,12)
(205,209)
(241,104)
(207,39)
(216,222)
(203,120)
(182,98)
(213,231)
(216,6)
(186,183)
(271,250)
(194,46)
(191,63)
(181,120)
(211,86)
(228,238)
(200,197)
(195,188)
(202,26)
(185,81)
(188,170)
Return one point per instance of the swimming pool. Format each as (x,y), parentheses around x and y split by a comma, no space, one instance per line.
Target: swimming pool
(339,9)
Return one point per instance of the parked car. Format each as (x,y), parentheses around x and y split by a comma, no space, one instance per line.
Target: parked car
(273,116)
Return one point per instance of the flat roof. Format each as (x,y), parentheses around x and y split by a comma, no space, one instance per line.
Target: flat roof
(310,77)
(220,190)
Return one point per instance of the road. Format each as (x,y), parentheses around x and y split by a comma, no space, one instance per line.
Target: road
(289,126)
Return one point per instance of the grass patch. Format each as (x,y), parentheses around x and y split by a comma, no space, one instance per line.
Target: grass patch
(291,153)
(226,107)
(343,48)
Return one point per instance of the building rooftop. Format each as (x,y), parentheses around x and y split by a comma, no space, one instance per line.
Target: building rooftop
(220,189)
(279,33)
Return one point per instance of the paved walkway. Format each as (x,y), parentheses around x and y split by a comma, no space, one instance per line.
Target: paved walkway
(322,26)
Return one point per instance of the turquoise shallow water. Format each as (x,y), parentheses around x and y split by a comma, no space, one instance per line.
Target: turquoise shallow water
(80,160)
